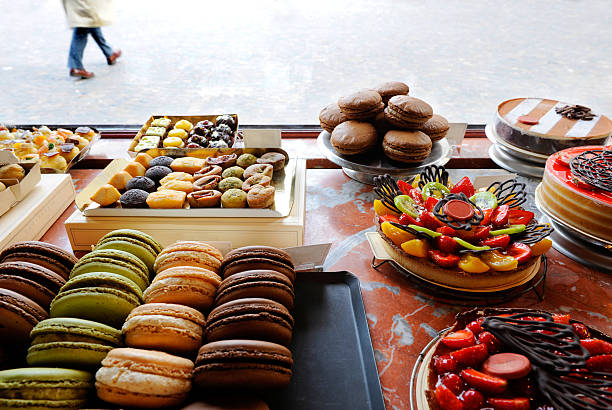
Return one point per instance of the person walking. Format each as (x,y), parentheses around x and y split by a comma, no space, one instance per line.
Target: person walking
(86,17)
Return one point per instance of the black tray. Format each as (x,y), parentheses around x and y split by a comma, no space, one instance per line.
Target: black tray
(334,366)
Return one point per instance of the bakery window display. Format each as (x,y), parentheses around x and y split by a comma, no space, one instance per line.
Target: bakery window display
(545,126)
(516,359)
(56,149)
(458,237)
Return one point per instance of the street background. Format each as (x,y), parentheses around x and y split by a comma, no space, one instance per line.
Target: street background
(280,62)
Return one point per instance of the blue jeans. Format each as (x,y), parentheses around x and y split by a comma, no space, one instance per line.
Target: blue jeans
(79,41)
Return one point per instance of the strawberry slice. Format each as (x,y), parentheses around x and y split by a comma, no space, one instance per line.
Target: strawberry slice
(518,403)
(484,382)
(453,382)
(475,327)
(581,330)
(447,399)
(490,341)
(472,400)
(597,346)
(459,339)
(444,364)
(471,356)
(559,318)
(601,363)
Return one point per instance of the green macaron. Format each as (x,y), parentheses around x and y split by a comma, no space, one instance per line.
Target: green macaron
(135,242)
(99,296)
(114,261)
(44,388)
(71,342)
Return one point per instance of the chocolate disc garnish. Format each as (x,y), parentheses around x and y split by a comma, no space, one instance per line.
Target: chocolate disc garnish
(458,210)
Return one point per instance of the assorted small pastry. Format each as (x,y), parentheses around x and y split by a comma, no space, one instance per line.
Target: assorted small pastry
(161,133)
(456,236)
(189,182)
(406,126)
(11,174)
(56,149)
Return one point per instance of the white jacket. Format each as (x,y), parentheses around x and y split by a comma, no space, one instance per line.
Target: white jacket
(88,13)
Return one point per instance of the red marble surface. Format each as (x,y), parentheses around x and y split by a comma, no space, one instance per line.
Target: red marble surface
(403,319)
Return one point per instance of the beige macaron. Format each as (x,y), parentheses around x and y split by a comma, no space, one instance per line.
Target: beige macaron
(189,253)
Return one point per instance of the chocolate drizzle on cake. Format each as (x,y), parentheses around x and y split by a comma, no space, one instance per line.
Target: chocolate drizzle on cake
(556,355)
(511,192)
(594,167)
(439,213)
(575,112)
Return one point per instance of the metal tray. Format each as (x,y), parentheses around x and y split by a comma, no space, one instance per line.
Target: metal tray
(334,366)
(502,157)
(518,152)
(365,167)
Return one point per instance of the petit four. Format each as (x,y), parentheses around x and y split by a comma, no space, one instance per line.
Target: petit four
(144,159)
(260,196)
(156,131)
(230,183)
(120,180)
(11,174)
(207,182)
(158,172)
(134,198)
(144,183)
(246,160)
(187,164)
(173,142)
(53,160)
(234,198)
(183,125)
(234,171)
(135,169)
(265,169)
(176,176)
(161,122)
(276,159)
(177,185)
(166,199)
(163,161)
(257,179)
(69,151)
(106,195)
(205,198)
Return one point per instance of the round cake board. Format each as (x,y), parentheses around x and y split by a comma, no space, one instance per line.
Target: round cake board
(513,150)
(513,164)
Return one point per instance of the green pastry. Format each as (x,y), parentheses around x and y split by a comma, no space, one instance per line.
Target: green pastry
(246,160)
(161,122)
(99,296)
(234,198)
(229,183)
(114,261)
(44,388)
(234,171)
(132,241)
(71,342)
(156,131)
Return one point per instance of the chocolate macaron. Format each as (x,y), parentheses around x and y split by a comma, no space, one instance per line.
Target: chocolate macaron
(251,318)
(353,137)
(40,253)
(18,315)
(408,112)
(362,105)
(257,257)
(407,146)
(266,284)
(436,127)
(331,116)
(250,364)
(33,281)
(391,89)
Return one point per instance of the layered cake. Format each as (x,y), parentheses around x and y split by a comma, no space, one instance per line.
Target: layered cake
(455,236)
(518,359)
(546,126)
(568,193)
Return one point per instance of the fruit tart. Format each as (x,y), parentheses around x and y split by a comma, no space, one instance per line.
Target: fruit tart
(455,236)
(498,358)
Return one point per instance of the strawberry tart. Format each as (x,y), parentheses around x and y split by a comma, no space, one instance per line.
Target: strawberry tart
(546,126)
(454,236)
(577,189)
(517,359)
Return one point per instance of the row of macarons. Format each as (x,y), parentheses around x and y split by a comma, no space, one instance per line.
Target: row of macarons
(162,317)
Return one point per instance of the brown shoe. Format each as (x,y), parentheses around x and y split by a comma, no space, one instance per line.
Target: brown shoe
(111,60)
(84,74)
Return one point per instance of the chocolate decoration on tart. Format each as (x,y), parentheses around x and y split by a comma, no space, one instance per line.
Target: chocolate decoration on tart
(511,192)
(594,167)
(433,173)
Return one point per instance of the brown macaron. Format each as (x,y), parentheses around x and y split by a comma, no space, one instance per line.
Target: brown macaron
(391,89)
(250,318)
(362,105)
(331,116)
(266,284)
(436,127)
(33,281)
(18,315)
(353,137)
(243,364)
(257,257)
(408,112)
(41,253)
(410,147)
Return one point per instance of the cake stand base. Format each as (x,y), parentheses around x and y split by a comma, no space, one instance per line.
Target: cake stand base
(513,164)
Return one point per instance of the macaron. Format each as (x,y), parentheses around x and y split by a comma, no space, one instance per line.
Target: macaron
(114,261)
(99,296)
(40,253)
(407,112)
(34,281)
(354,137)
(266,284)
(71,342)
(164,326)
(361,105)
(44,388)
(257,257)
(251,318)
(331,116)
(132,241)
(436,127)
(189,253)
(184,285)
(390,89)
(409,147)
(251,364)
(143,378)
(18,315)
